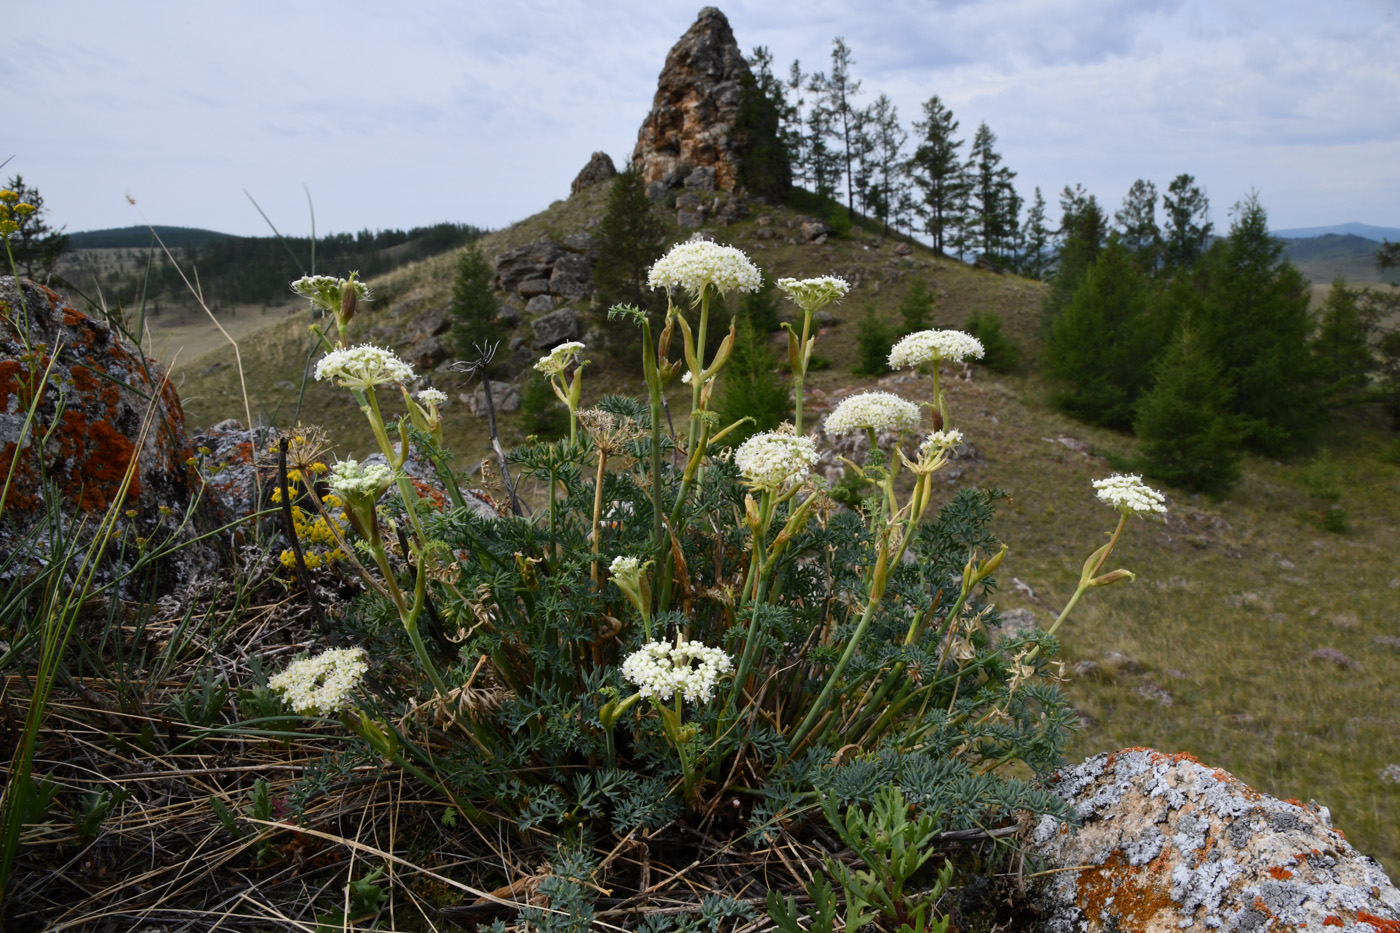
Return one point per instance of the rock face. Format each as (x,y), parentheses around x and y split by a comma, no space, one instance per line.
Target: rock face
(103,406)
(599,168)
(1168,844)
(563,270)
(688,137)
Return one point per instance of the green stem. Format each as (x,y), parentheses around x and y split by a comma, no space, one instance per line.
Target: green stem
(799,371)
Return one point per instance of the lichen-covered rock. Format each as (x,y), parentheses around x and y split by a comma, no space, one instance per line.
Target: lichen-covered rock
(1168,844)
(103,405)
(599,168)
(563,270)
(690,128)
(555,328)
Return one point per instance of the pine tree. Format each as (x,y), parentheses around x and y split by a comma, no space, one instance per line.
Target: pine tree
(36,246)
(843,117)
(888,139)
(473,306)
(1080,238)
(874,338)
(1254,318)
(1137,221)
(630,239)
(1187,228)
(751,385)
(937,171)
(763,125)
(1034,260)
(1188,436)
(1345,359)
(916,307)
(1101,348)
(993,206)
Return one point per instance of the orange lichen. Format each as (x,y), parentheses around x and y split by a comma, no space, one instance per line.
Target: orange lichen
(1333,921)
(1380,923)
(1124,891)
(1280,873)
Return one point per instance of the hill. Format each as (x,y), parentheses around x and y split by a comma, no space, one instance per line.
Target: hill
(1237,643)
(139,237)
(1329,256)
(1365,231)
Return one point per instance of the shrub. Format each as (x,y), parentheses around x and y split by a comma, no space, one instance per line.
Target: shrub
(1000,354)
(874,338)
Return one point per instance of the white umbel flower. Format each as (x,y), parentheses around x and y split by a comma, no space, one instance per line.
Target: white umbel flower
(930,346)
(940,440)
(327,291)
(352,480)
(363,367)
(431,396)
(661,670)
(881,411)
(775,461)
(696,264)
(1130,495)
(814,294)
(321,685)
(560,358)
(623,566)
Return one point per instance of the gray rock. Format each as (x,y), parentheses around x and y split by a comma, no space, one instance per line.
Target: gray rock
(1168,844)
(516,343)
(657,190)
(825,319)
(529,288)
(540,304)
(555,328)
(690,201)
(425,353)
(702,178)
(813,230)
(690,219)
(534,260)
(599,168)
(580,242)
(504,396)
(430,323)
(508,317)
(1016,621)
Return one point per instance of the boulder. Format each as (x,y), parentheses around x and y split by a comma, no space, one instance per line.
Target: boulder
(572,276)
(507,317)
(555,328)
(531,287)
(687,137)
(580,242)
(599,168)
(815,230)
(1168,844)
(504,396)
(540,304)
(532,261)
(432,323)
(426,353)
(103,406)
(689,219)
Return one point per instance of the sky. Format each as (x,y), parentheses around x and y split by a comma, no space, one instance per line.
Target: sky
(408,114)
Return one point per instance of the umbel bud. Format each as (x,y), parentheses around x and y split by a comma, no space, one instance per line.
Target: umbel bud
(348,300)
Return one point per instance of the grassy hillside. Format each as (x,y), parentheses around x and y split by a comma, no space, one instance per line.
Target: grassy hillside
(1254,637)
(1325,258)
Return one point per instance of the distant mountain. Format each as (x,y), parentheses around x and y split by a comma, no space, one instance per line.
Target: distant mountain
(1327,257)
(140,237)
(1365,231)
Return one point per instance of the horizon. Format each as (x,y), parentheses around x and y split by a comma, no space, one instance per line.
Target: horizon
(483,117)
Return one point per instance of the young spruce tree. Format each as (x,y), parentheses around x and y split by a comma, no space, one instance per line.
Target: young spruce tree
(1189,439)
(473,305)
(751,386)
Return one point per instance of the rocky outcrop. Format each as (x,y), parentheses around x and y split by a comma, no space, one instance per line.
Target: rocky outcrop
(99,404)
(599,168)
(688,138)
(561,269)
(1168,844)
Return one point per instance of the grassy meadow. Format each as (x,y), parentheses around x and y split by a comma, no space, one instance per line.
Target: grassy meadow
(1262,633)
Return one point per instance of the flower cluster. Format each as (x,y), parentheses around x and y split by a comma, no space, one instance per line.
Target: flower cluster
(814,294)
(11,208)
(930,346)
(696,264)
(432,397)
(940,440)
(328,292)
(775,461)
(625,566)
(321,685)
(660,670)
(363,367)
(880,411)
(360,482)
(560,358)
(1128,494)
